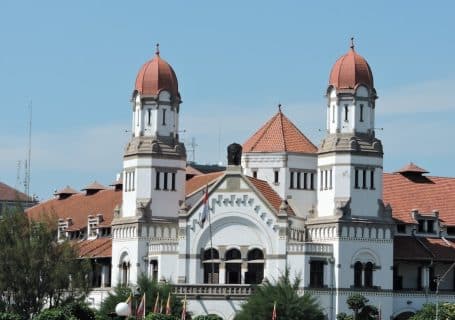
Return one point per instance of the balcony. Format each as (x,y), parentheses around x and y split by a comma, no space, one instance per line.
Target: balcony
(226,291)
(163,247)
(311,248)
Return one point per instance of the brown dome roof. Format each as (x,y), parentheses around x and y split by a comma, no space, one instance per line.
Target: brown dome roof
(156,75)
(350,71)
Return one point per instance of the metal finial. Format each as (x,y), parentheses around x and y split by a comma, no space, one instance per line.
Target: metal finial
(157,52)
(279,107)
(352,43)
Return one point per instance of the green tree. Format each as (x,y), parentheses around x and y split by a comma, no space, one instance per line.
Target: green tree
(362,310)
(446,311)
(289,304)
(35,269)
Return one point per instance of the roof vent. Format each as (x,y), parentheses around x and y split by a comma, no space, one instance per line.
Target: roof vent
(65,193)
(93,188)
(411,170)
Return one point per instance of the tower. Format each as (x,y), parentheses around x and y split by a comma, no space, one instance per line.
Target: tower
(154,165)
(350,156)
(350,213)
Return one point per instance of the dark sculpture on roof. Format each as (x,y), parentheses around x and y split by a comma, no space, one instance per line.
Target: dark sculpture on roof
(234,151)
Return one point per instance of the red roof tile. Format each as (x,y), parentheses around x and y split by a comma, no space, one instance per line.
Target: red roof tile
(351,70)
(8,193)
(279,134)
(411,168)
(197,182)
(269,194)
(156,75)
(421,248)
(66,191)
(94,186)
(79,206)
(97,248)
(424,193)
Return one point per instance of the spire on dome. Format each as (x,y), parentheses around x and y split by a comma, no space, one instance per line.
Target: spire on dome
(352,43)
(157,50)
(279,107)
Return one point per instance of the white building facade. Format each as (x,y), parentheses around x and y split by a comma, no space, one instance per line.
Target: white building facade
(282,203)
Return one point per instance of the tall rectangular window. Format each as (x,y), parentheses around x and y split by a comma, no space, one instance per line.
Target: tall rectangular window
(316,274)
(356,178)
(165,180)
(164,117)
(149,117)
(305,182)
(330,179)
(361,113)
(157,180)
(364,178)
(299,176)
(133,176)
(325,179)
(372,179)
(333,114)
(321,179)
(255,174)
(346,111)
(275,176)
(291,183)
(312,181)
(173,182)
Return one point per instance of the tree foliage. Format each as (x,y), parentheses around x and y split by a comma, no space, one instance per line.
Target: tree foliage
(289,304)
(70,311)
(151,288)
(35,269)
(208,317)
(362,310)
(445,311)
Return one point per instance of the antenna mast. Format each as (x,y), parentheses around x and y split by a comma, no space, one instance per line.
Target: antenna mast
(29,153)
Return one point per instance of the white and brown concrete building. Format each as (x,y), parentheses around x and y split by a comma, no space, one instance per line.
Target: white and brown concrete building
(329,212)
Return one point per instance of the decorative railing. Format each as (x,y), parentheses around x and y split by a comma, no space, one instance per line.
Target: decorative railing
(213,290)
(160,247)
(310,248)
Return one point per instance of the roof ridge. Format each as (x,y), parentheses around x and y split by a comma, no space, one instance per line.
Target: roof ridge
(282,130)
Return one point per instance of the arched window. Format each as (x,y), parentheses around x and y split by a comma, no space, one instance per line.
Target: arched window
(255,272)
(125,270)
(358,274)
(368,275)
(211,263)
(233,266)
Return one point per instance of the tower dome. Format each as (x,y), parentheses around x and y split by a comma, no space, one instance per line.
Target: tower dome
(350,71)
(155,76)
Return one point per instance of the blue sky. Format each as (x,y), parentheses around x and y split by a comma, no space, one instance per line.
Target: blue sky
(235,61)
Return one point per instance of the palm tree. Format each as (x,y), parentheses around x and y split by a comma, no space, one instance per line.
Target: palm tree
(289,304)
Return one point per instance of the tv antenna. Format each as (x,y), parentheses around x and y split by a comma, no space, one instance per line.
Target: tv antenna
(27,164)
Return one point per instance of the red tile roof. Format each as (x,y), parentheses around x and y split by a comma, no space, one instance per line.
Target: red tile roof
(279,134)
(97,248)
(8,193)
(156,75)
(197,182)
(94,186)
(424,193)
(79,206)
(351,70)
(269,194)
(66,191)
(421,248)
(412,168)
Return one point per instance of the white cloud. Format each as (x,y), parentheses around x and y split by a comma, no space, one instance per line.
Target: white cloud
(430,96)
